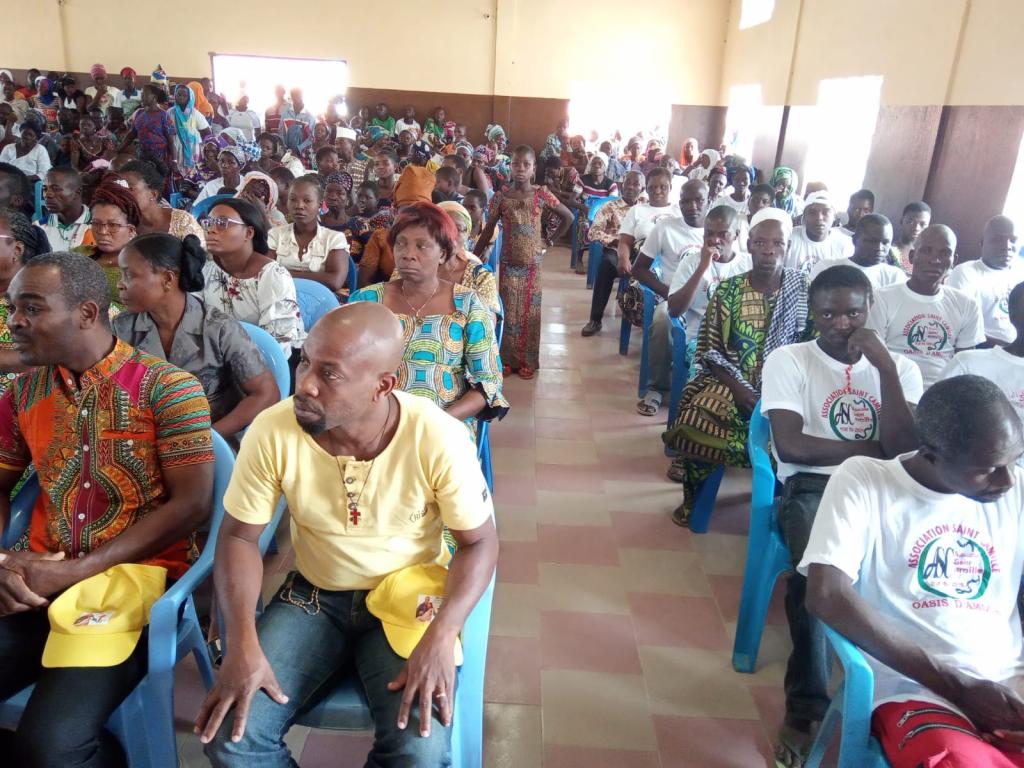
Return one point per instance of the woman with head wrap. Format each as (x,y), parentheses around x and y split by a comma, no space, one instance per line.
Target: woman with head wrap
(115,221)
(785,182)
(476,176)
(206,169)
(201,102)
(131,97)
(100,94)
(262,191)
(337,196)
(415,185)
(230,161)
(701,169)
(46,101)
(154,127)
(190,127)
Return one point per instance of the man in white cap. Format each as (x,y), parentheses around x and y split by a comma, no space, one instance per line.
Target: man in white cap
(347,145)
(815,239)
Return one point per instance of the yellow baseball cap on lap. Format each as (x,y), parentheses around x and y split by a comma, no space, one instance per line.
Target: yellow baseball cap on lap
(98,621)
(406,601)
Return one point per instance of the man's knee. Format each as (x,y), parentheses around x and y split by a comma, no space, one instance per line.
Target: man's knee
(262,740)
(64,743)
(394,747)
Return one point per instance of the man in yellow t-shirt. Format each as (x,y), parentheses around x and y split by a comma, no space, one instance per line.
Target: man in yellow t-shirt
(370,474)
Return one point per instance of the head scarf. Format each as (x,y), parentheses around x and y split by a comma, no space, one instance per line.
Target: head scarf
(44,86)
(493,132)
(603,156)
(463,144)
(205,107)
(159,77)
(6,73)
(235,152)
(376,133)
(414,186)
(713,157)
(98,70)
(779,175)
(457,212)
(821,197)
(250,148)
(128,72)
(342,179)
(483,153)
(186,127)
(421,152)
(259,176)
(347,133)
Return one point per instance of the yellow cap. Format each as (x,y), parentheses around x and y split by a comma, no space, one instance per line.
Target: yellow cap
(406,602)
(98,621)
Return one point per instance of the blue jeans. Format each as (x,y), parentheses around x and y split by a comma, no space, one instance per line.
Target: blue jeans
(309,635)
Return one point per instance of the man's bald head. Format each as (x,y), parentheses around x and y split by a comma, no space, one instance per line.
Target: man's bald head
(364,331)
(693,202)
(932,256)
(998,242)
(348,370)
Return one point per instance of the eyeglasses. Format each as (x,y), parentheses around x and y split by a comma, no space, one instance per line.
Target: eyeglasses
(8,237)
(112,226)
(219,223)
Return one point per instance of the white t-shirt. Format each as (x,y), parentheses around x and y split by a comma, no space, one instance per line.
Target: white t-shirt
(998,366)
(401,124)
(247,122)
(726,199)
(65,237)
(282,240)
(941,568)
(668,240)
(927,329)
(837,401)
(715,273)
(804,253)
(880,275)
(991,288)
(36,162)
(114,97)
(641,218)
(210,188)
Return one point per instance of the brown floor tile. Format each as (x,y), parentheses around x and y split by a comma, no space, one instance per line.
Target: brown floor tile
(598,642)
(513,671)
(577,544)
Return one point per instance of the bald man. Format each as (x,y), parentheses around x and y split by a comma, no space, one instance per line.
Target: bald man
(370,474)
(991,278)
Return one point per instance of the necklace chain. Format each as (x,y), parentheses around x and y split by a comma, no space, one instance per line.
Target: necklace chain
(353,505)
(415,311)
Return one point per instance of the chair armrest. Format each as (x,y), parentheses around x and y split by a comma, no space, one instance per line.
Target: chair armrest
(21,511)
(857,695)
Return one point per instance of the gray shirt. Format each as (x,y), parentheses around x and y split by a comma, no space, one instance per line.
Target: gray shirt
(207,343)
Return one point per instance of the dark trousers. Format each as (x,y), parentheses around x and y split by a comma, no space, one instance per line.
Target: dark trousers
(604,283)
(807,670)
(63,724)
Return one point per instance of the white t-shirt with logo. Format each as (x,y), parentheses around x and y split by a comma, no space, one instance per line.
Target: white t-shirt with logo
(642,218)
(716,272)
(998,366)
(927,329)
(991,288)
(880,275)
(804,253)
(837,401)
(669,239)
(726,198)
(941,568)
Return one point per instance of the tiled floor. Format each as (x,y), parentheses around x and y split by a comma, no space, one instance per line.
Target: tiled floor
(612,628)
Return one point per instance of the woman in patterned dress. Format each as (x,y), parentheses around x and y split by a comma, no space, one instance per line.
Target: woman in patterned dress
(451,355)
(146,180)
(519,207)
(748,317)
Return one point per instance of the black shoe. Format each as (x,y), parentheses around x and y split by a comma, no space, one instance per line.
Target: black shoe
(594,326)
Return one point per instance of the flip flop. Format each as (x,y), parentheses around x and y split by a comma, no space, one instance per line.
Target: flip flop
(792,747)
(526,373)
(650,405)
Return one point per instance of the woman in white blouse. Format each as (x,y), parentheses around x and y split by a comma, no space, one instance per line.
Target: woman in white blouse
(27,154)
(242,281)
(306,248)
(244,119)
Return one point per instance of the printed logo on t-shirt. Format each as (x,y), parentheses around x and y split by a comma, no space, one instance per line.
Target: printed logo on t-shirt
(1003,305)
(951,562)
(852,414)
(927,334)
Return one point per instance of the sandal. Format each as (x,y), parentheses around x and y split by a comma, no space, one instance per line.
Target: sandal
(650,405)
(526,373)
(676,471)
(792,747)
(681,514)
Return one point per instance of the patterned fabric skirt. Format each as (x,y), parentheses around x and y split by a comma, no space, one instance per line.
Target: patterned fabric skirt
(709,428)
(521,294)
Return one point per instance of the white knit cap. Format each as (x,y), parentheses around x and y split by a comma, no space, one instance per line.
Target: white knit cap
(821,197)
(773,214)
(346,133)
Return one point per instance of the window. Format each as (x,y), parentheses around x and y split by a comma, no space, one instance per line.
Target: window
(756,12)
(321,80)
(628,107)
(841,131)
(743,120)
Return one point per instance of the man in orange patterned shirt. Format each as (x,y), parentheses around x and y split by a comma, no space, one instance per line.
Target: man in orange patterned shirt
(121,444)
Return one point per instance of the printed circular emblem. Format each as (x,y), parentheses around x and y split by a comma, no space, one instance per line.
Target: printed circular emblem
(927,336)
(853,417)
(954,566)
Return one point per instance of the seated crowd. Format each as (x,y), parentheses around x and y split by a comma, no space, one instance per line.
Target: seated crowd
(892,378)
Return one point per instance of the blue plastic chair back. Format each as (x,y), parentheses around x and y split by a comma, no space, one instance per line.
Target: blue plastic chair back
(483,428)
(175,200)
(850,712)
(202,208)
(767,554)
(315,301)
(649,306)
(680,365)
(37,201)
(144,723)
(353,275)
(492,260)
(273,355)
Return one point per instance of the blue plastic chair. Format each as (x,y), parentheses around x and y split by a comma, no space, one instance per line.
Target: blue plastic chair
(680,366)
(175,200)
(483,428)
(144,723)
(492,260)
(850,712)
(37,205)
(315,300)
(273,355)
(767,554)
(353,275)
(202,208)
(649,306)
